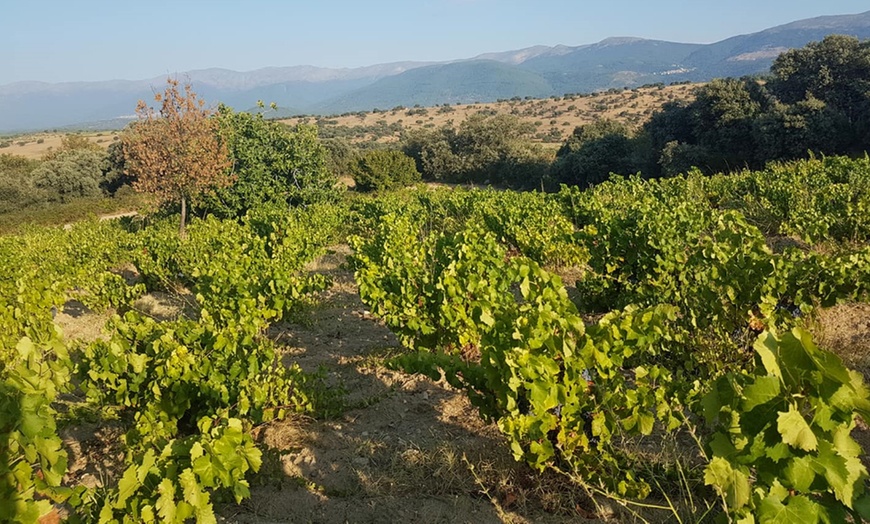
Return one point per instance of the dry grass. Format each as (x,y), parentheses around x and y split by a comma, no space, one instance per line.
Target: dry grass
(163,306)
(80,323)
(557,116)
(845,330)
(36,145)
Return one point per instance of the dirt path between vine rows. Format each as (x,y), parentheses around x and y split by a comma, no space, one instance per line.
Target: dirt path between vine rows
(406,449)
(109,216)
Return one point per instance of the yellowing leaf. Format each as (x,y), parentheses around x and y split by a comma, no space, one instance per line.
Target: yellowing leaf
(166,501)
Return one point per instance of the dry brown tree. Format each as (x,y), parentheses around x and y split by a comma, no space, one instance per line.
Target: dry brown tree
(176,153)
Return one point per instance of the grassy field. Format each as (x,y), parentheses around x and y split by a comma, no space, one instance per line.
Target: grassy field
(36,145)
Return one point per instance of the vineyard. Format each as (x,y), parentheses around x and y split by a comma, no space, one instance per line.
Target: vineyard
(588,326)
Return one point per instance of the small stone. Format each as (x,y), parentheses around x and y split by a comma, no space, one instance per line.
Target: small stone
(361,461)
(90,481)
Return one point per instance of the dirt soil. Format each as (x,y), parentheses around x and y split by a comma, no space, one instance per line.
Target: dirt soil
(408,449)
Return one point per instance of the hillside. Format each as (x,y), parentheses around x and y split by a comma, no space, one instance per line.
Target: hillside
(753,53)
(554,118)
(462,82)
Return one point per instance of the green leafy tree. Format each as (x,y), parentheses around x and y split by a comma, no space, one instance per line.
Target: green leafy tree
(115,174)
(16,182)
(433,152)
(272,164)
(593,152)
(485,149)
(677,158)
(723,112)
(342,156)
(381,169)
(835,71)
(790,130)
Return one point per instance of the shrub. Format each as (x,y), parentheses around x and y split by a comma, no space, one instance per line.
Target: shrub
(70,174)
(272,164)
(381,169)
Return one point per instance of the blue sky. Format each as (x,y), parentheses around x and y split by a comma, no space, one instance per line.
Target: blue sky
(74,40)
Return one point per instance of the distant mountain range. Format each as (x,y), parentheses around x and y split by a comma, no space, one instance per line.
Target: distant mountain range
(538,71)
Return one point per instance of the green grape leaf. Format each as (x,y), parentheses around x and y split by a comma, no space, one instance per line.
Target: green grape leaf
(729,481)
(795,431)
(765,346)
(799,473)
(147,462)
(762,391)
(797,509)
(196,497)
(844,474)
(862,506)
(127,486)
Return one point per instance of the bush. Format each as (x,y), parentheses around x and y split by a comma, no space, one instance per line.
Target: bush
(71,173)
(16,183)
(273,165)
(593,152)
(485,149)
(380,169)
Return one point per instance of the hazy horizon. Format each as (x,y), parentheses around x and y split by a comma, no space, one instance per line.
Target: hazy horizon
(96,40)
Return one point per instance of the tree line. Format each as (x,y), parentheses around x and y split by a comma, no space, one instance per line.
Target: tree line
(816,100)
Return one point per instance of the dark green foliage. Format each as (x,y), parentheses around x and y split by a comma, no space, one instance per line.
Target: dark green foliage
(718,131)
(789,131)
(723,113)
(595,151)
(677,157)
(341,155)
(817,99)
(380,169)
(484,150)
(16,182)
(115,175)
(835,71)
(70,174)
(273,165)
